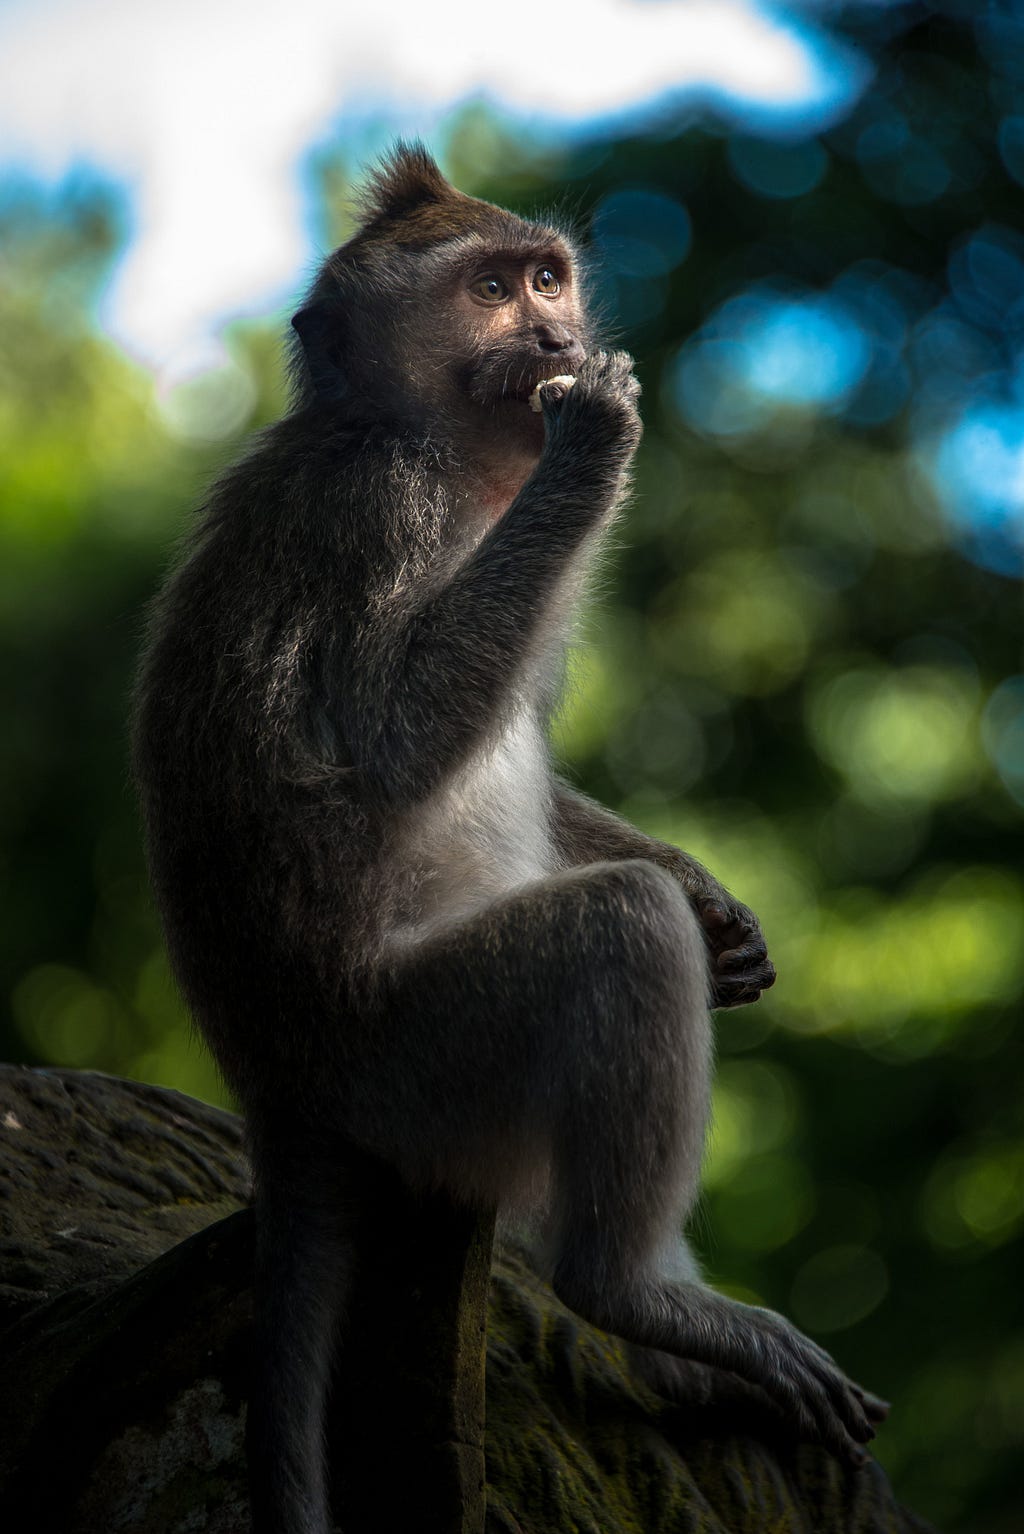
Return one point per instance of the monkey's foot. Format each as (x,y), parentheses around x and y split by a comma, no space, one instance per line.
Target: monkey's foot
(796,1374)
(712,1400)
(800,1376)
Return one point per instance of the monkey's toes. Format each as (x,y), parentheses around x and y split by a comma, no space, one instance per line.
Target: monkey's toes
(848,1422)
(832,1416)
(875,1409)
(828,1407)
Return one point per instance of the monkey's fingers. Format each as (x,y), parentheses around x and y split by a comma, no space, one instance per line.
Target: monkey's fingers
(714,917)
(747,956)
(615,367)
(728,999)
(732,987)
(731,930)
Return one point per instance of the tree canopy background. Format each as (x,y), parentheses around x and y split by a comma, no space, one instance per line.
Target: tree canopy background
(806,667)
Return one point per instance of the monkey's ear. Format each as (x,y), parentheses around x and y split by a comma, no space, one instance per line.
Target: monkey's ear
(318,331)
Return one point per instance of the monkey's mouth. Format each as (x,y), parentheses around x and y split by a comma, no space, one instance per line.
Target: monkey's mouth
(512,382)
(524,388)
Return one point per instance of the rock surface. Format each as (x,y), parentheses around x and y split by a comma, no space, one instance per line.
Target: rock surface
(125,1253)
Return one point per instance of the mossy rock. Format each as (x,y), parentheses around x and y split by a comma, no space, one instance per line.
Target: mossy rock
(125,1256)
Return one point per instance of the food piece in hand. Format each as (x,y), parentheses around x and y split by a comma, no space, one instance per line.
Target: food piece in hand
(565,382)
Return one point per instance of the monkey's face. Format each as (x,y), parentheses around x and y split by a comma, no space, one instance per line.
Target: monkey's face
(498,322)
(521,323)
(453,336)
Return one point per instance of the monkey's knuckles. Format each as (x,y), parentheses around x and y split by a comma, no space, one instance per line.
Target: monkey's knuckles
(740,966)
(729,923)
(753,953)
(607,386)
(616,366)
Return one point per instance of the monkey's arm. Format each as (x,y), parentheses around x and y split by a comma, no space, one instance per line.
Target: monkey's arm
(740,969)
(434,680)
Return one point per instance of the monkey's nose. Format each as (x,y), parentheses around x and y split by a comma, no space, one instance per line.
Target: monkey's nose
(553,340)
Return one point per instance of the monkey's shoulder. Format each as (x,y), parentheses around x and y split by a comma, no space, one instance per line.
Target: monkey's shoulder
(317,483)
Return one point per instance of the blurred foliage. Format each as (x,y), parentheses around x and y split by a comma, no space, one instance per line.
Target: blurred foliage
(806,667)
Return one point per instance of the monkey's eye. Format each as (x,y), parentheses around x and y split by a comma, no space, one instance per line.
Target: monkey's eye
(490,288)
(545,281)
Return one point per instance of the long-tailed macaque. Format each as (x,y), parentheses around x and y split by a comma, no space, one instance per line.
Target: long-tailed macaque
(394,923)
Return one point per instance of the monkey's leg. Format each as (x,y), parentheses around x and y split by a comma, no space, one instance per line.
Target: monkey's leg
(570,1021)
(305,1217)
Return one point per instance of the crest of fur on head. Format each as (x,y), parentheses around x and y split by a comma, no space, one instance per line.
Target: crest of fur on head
(406,201)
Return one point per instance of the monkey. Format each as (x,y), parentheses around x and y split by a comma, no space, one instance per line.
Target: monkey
(398,928)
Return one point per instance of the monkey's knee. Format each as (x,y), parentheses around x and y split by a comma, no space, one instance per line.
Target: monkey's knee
(652,939)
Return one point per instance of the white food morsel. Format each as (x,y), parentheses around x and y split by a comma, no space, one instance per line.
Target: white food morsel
(565,379)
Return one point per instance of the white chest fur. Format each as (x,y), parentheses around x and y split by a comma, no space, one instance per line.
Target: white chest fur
(484,834)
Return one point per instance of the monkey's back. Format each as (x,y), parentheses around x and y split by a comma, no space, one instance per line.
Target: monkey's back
(260,844)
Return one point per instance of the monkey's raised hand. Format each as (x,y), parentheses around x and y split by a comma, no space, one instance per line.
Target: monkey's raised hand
(600,410)
(740,968)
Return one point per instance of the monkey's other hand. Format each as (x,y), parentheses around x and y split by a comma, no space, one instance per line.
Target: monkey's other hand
(739,965)
(600,410)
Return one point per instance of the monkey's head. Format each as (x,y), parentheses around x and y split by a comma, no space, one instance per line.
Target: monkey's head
(442,309)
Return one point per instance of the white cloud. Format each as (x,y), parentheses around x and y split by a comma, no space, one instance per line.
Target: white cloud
(206,108)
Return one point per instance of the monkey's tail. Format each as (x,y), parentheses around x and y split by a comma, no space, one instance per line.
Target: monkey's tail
(306,1218)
